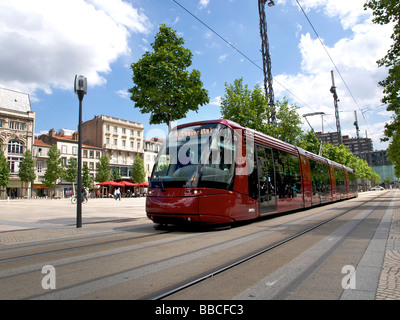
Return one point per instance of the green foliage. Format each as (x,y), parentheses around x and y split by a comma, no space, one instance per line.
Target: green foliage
(162,85)
(138,172)
(288,123)
(86,179)
(71,170)
(54,167)
(251,109)
(27,168)
(246,107)
(309,141)
(115,174)
(4,169)
(343,156)
(388,12)
(394,153)
(103,171)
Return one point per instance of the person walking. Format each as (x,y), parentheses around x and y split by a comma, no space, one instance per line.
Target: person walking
(117,194)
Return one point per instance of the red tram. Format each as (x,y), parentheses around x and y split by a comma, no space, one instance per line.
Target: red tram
(216,172)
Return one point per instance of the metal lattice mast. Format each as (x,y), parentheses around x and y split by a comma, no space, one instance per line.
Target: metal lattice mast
(335,100)
(266,59)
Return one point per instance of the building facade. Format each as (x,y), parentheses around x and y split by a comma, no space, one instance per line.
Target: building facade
(17,126)
(151,149)
(67,143)
(121,140)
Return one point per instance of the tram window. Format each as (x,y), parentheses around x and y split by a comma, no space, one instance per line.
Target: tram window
(288,177)
(320,179)
(340,181)
(252,171)
(352,181)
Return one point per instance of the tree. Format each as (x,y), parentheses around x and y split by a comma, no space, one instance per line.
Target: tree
(115,174)
(246,107)
(138,173)
(343,156)
(4,171)
(27,168)
(103,171)
(388,12)
(309,141)
(288,123)
(54,167)
(162,85)
(250,109)
(71,172)
(87,181)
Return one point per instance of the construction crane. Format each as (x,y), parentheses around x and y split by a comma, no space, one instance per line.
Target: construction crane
(266,58)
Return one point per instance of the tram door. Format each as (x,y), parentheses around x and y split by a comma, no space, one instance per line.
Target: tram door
(266,180)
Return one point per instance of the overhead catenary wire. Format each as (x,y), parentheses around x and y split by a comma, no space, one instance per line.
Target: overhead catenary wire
(333,63)
(240,52)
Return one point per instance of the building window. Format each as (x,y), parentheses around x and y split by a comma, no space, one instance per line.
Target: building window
(107,140)
(115,129)
(85,153)
(15,146)
(123,143)
(75,150)
(123,131)
(14,164)
(91,154)
(39,166)
(16,125)
(64,149)
(97,154)
(107,127)
(1,123)
(115,142)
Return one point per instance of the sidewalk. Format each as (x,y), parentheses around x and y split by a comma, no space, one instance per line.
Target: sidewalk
(25,220)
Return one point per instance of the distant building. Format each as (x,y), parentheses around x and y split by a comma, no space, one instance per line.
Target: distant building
(363,148)
(151,149)
(39,153)
(67,143)
(17,126)
(121,140)
(355,145)
(379,162)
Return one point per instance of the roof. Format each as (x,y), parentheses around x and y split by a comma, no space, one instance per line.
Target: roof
(41,143)
(15,101)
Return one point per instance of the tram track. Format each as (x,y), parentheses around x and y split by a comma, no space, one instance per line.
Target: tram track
(143,259)
(193,282)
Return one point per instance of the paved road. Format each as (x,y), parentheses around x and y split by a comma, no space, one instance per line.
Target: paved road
(119,255)
(22,220)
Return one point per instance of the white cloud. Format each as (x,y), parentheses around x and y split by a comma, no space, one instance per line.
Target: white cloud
(123,93)
(355,57)
(349,12)
(222,58)
(203,4)
(216,101)
(45,43)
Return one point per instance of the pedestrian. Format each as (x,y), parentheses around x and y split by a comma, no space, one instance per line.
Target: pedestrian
(117,194)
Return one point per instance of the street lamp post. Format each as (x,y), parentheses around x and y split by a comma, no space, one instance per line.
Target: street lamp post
(80,89)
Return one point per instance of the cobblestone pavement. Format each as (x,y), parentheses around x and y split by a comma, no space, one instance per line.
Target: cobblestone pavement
(389,281)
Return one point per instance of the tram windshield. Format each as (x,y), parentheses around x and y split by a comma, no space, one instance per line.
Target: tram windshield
(196,156)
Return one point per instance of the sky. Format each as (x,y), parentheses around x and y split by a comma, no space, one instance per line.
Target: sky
(45,43)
